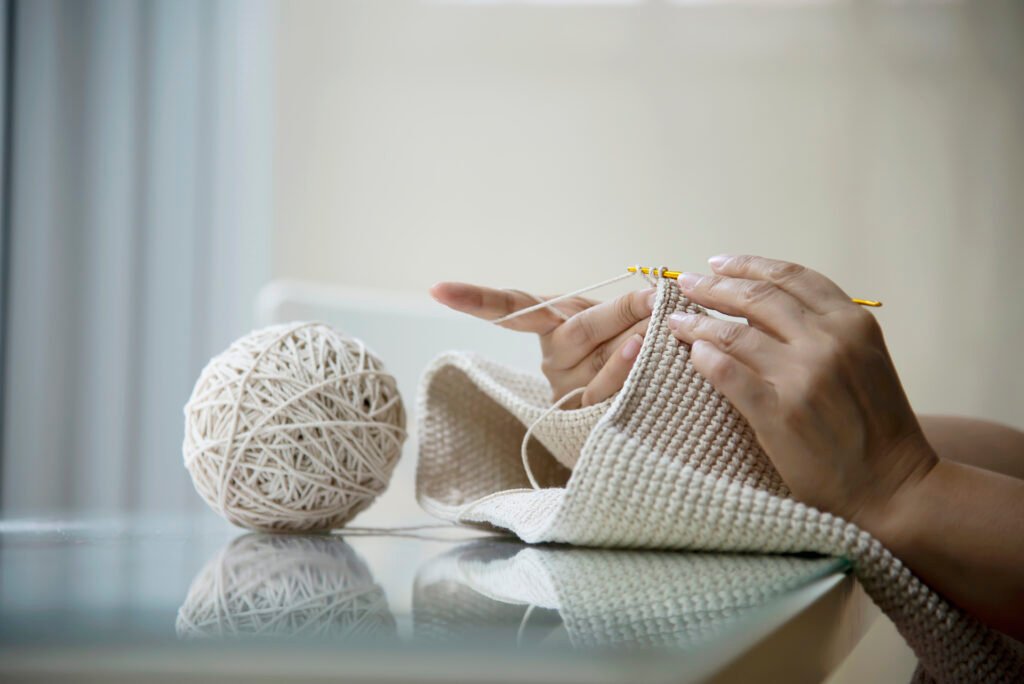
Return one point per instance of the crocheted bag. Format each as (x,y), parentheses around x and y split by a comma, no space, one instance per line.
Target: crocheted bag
(667,463)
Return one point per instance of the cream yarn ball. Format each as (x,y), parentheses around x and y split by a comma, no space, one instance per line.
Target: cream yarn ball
(295,427)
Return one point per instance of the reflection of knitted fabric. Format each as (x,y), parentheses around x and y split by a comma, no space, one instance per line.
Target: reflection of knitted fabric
(606,599)
(668,464)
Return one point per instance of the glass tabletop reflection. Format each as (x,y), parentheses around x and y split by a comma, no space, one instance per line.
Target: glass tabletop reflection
(186,585)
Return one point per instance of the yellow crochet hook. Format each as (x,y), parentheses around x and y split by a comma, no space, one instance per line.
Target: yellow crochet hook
(665,273)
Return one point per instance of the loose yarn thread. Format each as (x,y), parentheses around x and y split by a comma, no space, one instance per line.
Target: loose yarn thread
(549,304)
(529,432)
(295,427)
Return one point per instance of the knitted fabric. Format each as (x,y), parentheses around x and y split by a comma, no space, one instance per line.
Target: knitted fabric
(668,464)
(605,599)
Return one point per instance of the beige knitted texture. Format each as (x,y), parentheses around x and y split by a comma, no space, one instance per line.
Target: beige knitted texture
(605,599)
(670,464)
(494,409)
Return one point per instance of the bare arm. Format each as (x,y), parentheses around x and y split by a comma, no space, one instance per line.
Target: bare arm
(975,442)
(812,375)
(961,529)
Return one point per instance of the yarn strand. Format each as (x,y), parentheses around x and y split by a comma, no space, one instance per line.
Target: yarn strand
(529,431)
(549,303)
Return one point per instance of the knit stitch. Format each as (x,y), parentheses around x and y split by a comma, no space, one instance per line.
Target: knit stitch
(667,463)
(637,600)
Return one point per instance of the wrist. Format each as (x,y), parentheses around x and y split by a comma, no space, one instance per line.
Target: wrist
(891,514)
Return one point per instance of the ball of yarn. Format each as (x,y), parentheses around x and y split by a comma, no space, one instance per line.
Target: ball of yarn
(295,427)
(281,586)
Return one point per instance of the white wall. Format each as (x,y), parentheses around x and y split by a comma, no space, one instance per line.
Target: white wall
(547,145)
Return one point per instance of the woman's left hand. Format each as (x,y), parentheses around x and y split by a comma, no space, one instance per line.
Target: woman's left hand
(812,375)
(593,347)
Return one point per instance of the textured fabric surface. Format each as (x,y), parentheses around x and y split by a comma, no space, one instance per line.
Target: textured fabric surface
(667,464)
(604,598)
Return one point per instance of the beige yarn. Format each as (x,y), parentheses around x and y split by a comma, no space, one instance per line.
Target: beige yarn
(295,427)
(274,585)
(605,598)
(669,464)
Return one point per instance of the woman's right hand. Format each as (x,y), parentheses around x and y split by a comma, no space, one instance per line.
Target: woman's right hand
(594,348)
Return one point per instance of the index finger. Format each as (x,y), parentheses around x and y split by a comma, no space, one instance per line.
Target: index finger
(488,303)
(810,288)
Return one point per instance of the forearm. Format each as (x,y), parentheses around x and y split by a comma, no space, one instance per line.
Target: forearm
(961,529)
(980,443)
(812,375)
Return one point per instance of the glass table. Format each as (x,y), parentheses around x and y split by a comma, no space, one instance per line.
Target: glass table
(193,599)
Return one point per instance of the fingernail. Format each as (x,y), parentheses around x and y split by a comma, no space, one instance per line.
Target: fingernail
(688,281)
(632,347)
(677,320)
(650,298)
(718,261)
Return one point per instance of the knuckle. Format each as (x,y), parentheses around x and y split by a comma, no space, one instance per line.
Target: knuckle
(599,358)
(509,300)
(624,312)
(743,262)
(757,291)
(728,337)
(783,271)
(714,367)
(581,330)
(858,332)
(720,369)
(702,328)
(712,283)
(865,325)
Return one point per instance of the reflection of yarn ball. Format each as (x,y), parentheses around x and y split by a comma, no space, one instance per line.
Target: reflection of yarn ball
(272,585)
(294,427)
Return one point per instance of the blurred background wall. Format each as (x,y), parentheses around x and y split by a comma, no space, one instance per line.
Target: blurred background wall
(546,145)
(137,222)
(166,160)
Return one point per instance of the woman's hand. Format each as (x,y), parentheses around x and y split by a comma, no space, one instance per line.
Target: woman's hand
(812,375)
(594,348)
(813,378)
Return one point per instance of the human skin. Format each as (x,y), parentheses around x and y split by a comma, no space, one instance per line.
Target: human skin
(976,442)
(594,348)
(812,375)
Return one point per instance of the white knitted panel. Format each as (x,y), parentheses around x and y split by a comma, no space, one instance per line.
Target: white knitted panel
(670,464)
